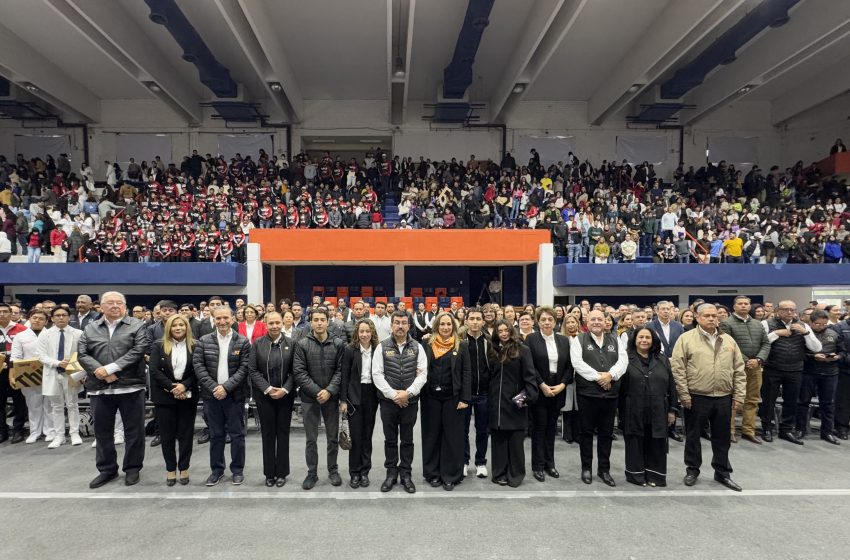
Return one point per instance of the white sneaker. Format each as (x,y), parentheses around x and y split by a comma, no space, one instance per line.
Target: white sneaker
(119,439)
(48,439)
(76,439)
(32,438)
(56,443)
(481,471)
(467,470)
(94,444)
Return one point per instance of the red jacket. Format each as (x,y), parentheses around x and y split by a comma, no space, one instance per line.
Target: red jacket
(259,330)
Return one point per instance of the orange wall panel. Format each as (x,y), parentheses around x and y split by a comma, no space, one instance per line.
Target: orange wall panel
(359,245)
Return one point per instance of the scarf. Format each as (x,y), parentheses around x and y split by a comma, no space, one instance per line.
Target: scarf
(440,348)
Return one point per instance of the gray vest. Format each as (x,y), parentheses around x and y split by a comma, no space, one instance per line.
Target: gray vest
(600,359)
(400,366)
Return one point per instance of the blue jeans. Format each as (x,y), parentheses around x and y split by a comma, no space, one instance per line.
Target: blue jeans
(33,254)
(781,259)
(573,252)
(683,259)
(226,416)
(478,404)
(515,209)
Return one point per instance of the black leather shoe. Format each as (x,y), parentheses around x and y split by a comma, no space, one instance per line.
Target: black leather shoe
(203,437)
(799,434)
(280,482)
(102,479)
(309,482)
(586,476)
(270,482)
(606,478)
(156,441)
(435,482)
(727,482)
(831,439)
(789,436)
(131,478)
(553,472)
(355,481)
(767,436)
(675,435)
(214,479)
(448,486)
(841,433)
(171,481)
(237,479)
(690,479)
(408,485)
(184,480)
(388,484)
(17,437)
(335,479)
(364,481)
(539,476)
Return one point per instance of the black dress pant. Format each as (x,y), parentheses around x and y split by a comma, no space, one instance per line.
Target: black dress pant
(19,405)
(507,456)
(646,458)
(842,401)
(544,417)
(442,438)
(824,387)
(132,408)
(398,437)
(275,421)
(717,412)
(788,384)
(177,426)
(361,423)
(596,415)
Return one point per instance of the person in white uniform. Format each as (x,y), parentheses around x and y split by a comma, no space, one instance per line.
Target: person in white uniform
(25,347)
(56,346)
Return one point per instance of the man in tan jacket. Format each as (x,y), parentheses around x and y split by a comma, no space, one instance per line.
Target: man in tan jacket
(709,372)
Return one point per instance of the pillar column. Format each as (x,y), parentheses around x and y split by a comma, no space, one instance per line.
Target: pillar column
(545,281)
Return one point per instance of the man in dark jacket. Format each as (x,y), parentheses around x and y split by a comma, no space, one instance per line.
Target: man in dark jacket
(820,377)
(317,369)
(842,395)
(85,313)
(112,351)
(221,366)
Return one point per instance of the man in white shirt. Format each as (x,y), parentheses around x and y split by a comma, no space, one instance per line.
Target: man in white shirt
(381,321)
(599,361)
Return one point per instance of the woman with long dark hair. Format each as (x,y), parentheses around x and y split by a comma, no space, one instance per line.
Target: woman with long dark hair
(511,374)
(446,394)
(359,399)
(650,396)
(174,392)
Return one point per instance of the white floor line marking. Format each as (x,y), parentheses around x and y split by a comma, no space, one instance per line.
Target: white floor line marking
(507,495)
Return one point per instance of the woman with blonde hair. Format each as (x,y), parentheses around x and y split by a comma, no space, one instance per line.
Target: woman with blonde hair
(358,398)
(447,392)
(174,392)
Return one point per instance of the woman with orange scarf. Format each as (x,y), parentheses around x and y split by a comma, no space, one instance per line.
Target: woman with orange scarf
(446,393)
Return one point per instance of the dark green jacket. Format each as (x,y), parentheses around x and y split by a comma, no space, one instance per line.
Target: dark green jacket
(750,336)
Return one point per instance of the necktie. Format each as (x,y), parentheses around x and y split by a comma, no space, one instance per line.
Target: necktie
(61,355)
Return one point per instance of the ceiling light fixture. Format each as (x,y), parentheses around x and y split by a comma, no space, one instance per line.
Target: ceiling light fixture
(746,89)
(275,87)
(30,87)
(635,87)
(519,88)
(399,68)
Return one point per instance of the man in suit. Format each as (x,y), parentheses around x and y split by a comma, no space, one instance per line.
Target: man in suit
(221,366)
(669,331)
(550,352)
(112,351)
(85,313)
(188,312)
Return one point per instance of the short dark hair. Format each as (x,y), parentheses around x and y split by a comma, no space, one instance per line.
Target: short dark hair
(819,314)
(475,309)
(738,298)
(214,298)
(377,303)
(6,306)
(320,311)
(57,309)
(168,303)
(400,315)
(38,312)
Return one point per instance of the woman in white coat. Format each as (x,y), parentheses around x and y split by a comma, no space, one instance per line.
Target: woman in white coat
(56,387)
(25,347)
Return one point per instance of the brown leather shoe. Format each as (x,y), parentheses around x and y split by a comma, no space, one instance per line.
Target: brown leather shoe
(753,438)
(734,438)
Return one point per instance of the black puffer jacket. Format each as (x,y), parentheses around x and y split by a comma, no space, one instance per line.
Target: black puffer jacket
(205,360)
(318,365)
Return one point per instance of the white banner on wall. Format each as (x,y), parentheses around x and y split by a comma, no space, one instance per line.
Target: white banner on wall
(246,144)
(42,145)
(640,148)
(551,149)
(733,149)
(143,147)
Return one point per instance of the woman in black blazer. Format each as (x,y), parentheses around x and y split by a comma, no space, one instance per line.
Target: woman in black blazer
(554,373)
(270,371)
(359,399)
(174,392)
(447,392)
(511,372)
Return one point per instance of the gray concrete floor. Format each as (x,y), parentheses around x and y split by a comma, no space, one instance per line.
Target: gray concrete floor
(795,505)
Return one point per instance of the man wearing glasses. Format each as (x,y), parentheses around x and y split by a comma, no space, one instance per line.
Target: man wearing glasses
(789,340)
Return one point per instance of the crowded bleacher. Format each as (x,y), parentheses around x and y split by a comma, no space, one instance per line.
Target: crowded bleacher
(205,208)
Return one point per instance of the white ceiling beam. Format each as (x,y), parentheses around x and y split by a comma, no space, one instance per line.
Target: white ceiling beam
(117,35)
(827,85)
(680,27)
(254,30)
(399,86)
(21,63)
(814,26)
(547,25)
